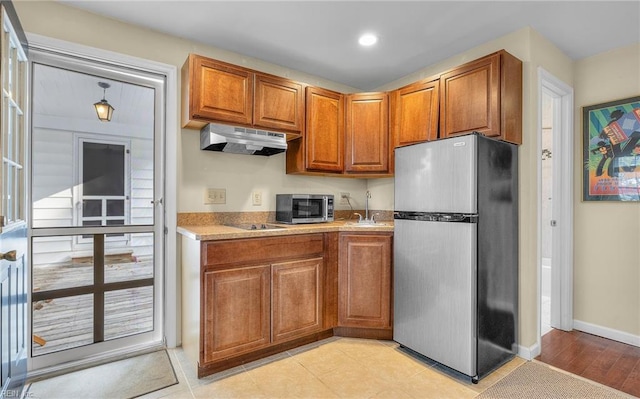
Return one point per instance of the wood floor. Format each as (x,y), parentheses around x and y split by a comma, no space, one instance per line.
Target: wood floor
(608,362)
(65,323)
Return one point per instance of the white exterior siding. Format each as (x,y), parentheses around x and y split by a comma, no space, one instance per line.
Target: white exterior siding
(53,178)
(55,194)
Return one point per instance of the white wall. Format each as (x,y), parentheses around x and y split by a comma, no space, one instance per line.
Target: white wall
(607,254)
(240,175)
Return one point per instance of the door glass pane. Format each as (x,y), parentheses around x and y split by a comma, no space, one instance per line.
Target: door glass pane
(134,262)
(115,207)
(95,175)
(85,236)
(128,312)
(62,323)
(91,208)
(56,267)
(102,169)
(115,223)
(77,158)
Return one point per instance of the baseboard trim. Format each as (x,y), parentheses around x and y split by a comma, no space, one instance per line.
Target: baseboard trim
(528,353)
(607,332)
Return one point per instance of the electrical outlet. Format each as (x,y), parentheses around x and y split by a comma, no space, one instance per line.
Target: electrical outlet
(215,196)
(344,198)
(256,198)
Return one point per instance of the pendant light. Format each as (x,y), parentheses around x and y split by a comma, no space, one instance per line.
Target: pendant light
(103,108)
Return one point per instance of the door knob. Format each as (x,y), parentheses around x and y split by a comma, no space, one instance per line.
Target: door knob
(10,255)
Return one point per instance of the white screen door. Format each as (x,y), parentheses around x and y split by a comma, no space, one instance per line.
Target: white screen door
(97,232)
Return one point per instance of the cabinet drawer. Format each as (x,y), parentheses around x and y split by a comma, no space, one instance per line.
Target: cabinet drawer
(260,249)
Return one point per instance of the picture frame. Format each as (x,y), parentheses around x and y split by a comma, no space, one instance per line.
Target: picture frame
(611,151)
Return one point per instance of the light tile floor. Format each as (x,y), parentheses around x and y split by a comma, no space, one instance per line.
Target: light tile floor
(333,368)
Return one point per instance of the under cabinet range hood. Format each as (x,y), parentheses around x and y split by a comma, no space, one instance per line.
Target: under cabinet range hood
(240,140)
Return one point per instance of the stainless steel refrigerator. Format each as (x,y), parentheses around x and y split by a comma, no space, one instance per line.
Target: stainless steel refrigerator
(456,252)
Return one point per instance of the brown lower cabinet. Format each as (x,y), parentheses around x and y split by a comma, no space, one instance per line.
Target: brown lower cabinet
(296,297)
(236,309)
(364,285)
(245,299)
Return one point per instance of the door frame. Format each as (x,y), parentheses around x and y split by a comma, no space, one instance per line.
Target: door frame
(168,148)
(562,208)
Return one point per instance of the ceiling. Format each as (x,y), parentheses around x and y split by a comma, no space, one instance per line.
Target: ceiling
(70,95)
(320,38)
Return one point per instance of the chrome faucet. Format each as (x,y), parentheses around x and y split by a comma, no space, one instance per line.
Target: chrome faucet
(366,219)
(366,205)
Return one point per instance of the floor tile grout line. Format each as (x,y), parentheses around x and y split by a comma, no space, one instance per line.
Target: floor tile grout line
(390,384)
(184,374)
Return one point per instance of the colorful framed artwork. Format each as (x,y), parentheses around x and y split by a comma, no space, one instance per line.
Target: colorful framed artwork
(611,151)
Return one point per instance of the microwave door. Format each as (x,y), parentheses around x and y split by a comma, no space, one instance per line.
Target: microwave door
(307,208)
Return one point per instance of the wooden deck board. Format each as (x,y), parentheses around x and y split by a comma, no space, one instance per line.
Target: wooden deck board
(68,322)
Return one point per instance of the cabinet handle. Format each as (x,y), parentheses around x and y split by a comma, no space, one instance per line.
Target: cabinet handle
(10,255)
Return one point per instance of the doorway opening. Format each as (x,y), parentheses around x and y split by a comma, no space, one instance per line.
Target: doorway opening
(97,221)
(546,200)
(555,205)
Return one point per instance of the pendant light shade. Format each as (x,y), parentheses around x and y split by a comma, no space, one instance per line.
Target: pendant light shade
(103,108)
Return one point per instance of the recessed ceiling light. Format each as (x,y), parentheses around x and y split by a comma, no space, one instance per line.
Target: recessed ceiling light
(368,39)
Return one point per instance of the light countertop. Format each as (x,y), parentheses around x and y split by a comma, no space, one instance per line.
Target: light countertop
(222,232)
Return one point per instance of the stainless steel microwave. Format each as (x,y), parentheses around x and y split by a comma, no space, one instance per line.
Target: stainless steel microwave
(304,208)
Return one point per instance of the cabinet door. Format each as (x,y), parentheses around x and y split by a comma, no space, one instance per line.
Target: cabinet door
(219,91)
(364,281)
(414,113)
(470,98)
(324,130)
(297,298)
(235,311)
(367,133)
(279,103)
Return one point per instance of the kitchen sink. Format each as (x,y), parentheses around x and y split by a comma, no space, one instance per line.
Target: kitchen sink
(256,226)
(358,224)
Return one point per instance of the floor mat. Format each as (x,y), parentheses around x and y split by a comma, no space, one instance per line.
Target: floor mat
(127,378)
(537,381)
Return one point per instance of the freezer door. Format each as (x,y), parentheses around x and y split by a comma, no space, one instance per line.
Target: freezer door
(435,291)
(437,176)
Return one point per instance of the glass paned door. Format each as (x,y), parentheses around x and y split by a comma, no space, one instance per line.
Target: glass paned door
(13,227)
(103,177)
(97,218)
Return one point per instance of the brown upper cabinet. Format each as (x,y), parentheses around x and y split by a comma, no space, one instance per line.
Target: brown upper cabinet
(279,103)
(324,135)
(484,95)
(215,91)
(367,133)
(354,135)
(414,112)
